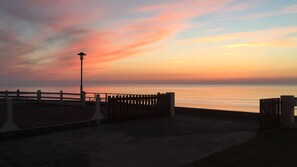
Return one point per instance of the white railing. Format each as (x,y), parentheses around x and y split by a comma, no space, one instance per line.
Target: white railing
(58,96)
(13,97)
(42,96)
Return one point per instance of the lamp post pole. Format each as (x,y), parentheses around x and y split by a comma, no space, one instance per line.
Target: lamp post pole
(81,54)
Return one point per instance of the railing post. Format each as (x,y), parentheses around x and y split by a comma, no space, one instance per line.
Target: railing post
(171,103)
(18,93)
(39,95)
(83,98)
(9,125)
(6,94)
(159,109)
(97,115)
(61,96)
(98,102)
(287,111)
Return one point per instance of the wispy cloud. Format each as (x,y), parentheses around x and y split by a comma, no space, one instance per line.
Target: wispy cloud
(215,30)
(275,37)
(250,44)
(240,6)
(214,39)
(292,9)
(289,9)
(199,58)
(179,62)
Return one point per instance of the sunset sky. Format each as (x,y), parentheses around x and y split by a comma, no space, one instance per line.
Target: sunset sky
(148,41)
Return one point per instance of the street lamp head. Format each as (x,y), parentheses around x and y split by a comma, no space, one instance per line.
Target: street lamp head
(81,54)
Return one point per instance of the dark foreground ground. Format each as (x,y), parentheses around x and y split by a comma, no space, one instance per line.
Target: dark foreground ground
(274,149)
(195,137)
(172,141)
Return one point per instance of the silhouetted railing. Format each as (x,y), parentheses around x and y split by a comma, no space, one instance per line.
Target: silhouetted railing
(90,96)
(41,96)
(30,103)
(270,112)
(123,107)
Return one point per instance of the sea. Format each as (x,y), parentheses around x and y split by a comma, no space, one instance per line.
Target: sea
(243,98)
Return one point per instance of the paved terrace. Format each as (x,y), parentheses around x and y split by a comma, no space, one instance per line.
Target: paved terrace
(175,141)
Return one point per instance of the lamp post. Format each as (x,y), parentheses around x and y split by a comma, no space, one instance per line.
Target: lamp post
(81,54)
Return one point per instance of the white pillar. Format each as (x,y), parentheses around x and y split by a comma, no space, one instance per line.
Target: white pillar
(9,125)
(97,115)
(172,103)
(287,111)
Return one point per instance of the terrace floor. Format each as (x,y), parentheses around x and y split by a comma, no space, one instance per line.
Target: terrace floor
(175,141)
(33,114)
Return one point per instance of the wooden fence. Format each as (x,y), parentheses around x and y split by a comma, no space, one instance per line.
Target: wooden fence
(270,112)
(123,107)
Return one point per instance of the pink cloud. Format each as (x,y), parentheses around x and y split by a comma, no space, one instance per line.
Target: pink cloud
(61,31)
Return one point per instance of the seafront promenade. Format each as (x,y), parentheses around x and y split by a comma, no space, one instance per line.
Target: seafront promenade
(166,141)
(149,141)
(133,130)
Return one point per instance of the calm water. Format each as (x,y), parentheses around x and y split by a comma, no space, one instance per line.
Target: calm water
(226,97)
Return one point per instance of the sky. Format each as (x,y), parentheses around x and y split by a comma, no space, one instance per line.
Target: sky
(155,41)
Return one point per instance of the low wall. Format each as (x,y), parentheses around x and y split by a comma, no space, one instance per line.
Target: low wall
(216,114)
